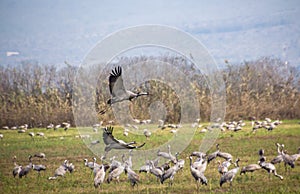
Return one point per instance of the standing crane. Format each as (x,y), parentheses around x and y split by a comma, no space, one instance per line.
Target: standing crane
(198,176)
(250,168)
(278,158)
(169,174)
(132,176)
(116,173)
(288,160)
(118,91)
(17,168)
(229,176)
(268,167)
(24,171)
(100,175)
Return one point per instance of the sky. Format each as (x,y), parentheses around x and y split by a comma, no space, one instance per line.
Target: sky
(54,31)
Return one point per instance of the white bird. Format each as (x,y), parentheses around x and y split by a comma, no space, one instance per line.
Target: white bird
(117,89)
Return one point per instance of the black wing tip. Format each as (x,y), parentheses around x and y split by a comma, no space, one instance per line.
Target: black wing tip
(141,145)
(109,129)
(117,71)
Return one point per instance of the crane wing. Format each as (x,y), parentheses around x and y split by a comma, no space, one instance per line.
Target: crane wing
(116,86)
(108,138)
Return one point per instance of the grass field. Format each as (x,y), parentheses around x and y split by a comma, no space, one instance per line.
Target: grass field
(242,144)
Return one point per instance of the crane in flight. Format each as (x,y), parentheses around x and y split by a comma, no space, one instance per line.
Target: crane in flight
(112,143)
(118,91)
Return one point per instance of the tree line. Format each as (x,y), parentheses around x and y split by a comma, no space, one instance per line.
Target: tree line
(39,94)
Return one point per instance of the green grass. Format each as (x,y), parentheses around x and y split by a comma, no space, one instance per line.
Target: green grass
(242,144)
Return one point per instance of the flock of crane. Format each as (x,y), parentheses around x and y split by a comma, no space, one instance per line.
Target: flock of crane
(112,169)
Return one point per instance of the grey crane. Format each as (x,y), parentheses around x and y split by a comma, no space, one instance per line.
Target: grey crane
(89,164)
(128,162)
(180,162)
(147,133)
(132,176)
(250,168)
(39,168)
(169,174)
(158,172)
(17,168)
(100,175)
(114,164)
(25,170)
(167,155)
(268,167)
(163,154)
(112,143)
(95,166)
(200,164)
(288,160)
(71,167)
(116,173)
(222,169)
(60,171)
(145,168)
(229,176)
(198,176)
(40,155)
(278,158)
(118,91)
(213,155)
